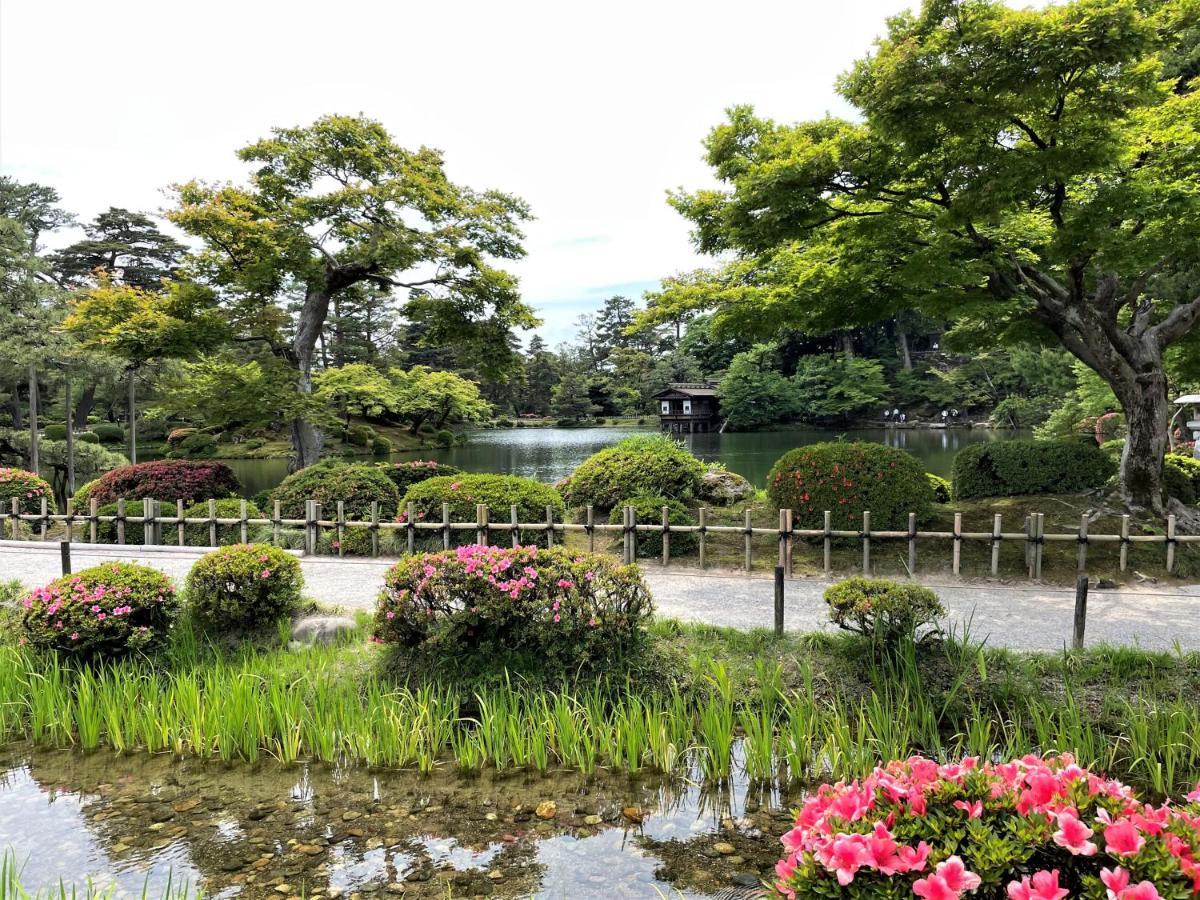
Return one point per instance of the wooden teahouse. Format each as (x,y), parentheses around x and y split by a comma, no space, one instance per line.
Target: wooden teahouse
(688,407)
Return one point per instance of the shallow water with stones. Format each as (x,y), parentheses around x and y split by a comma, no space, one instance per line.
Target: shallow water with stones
(268,830)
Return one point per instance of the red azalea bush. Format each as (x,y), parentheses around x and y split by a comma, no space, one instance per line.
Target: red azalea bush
(28,488)
(1032,829)
(405,474)
(167,480)
(105,610)
(550,603)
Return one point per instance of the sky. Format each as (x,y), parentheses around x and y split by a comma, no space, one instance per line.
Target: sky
(590,112)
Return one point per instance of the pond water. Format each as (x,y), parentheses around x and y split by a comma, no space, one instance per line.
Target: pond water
(548,454)
(273,831)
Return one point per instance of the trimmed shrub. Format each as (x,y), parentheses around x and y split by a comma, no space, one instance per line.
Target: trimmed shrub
(545,605)
(940,486)
(227,508)
(109,432)
(1013,468)
(1177,482)
(105,610)
(55,432)
(499,492)
(88,437)
(255,443)
(648,511)
(1189,466)
(135,533)
(29,490)
(405,474)
(82,495)
(357,485)
(381,446)
(243,588)
(360,435)
(167,480)
(199,445)
(1034,828)
(885,610)
(175,436)
(847,478)
(1114,447)
(444,437)
(650,464)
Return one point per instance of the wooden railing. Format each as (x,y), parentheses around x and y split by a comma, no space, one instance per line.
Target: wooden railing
(160,527)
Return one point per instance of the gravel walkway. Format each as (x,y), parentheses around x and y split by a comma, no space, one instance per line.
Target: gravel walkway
(1034,617)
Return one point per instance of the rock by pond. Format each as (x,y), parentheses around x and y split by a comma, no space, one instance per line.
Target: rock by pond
(278,831)
(323,629)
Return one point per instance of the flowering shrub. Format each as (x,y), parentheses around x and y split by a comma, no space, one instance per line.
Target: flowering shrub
(1032,829)
(847,478)
(108,609)
(28,488)
(880,608)
(642,464)
(405,474)
(551,603)
(243,587)
(356,485)
(167,480)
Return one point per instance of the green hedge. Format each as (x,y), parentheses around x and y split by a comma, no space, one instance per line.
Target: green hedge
(847,478)
(499,492)
(55,432)
(109,433)
(648,511)
(227,508)
(650,465)
(1014,468)
(356,485)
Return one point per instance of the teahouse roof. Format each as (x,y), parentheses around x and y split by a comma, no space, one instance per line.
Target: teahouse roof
(690,389)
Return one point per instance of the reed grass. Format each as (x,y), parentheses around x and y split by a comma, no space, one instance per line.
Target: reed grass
(11,887)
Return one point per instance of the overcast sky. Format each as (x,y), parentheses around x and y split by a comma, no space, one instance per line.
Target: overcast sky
(590,112)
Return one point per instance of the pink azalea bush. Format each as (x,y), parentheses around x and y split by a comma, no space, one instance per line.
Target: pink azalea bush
(105,610)
(551,603)
(1031,829)
(165,479)
(28,488)
(243,588)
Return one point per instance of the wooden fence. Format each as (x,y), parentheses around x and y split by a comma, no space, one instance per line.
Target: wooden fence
(158,526)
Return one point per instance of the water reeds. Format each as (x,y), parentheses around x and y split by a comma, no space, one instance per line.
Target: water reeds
(11,887)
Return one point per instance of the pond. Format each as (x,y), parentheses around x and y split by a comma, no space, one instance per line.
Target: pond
(128,821)
(549,454)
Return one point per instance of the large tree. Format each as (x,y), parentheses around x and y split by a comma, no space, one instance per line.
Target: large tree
(1031,174)
(338,205)
(126,245)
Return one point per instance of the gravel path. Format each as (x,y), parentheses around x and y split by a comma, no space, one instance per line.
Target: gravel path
(1035,617)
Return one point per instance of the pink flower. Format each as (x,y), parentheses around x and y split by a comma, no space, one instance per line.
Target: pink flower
(1043,886)
(934,888)
(266,573)
(1194,796)
(1073,834)
(845,855)
(1143,890)
(973,809)
(956,875)
(914,860)
(1122,839)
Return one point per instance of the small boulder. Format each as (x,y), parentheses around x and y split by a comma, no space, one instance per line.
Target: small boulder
(322,629)
(724,488)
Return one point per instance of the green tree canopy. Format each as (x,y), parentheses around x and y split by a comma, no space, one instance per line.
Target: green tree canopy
(1027,173)
(128,246)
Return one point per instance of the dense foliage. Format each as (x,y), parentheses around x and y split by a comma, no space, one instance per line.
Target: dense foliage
(846,479)
(102,611)
(243,588)
(1013,468)
(552,605)
(942,487)
(227,508)
(407,473)
(357,485)
(887,611)
(499,492)
(27,488)
(167,480)
(1031,829)
(642,464)
(647,510)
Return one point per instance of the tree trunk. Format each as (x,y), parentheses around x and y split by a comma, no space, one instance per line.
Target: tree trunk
(70,433)
(847,346)
(902,341)
(415,428)
(307,439)
(83,409)
(1147,411)
(34,461)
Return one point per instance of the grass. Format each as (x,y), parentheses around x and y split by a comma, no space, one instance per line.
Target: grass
(11,887)
(803,707)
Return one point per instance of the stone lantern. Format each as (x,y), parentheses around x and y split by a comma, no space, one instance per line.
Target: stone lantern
(1193,422)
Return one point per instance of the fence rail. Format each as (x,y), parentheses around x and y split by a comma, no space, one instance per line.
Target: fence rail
(157,526)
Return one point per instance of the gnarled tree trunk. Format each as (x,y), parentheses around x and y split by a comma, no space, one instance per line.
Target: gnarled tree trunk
(307,439)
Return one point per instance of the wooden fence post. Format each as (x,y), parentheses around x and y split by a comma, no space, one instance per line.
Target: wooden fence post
(64,554)
(789,543)
(1081,594)
(666,536)
(912,545)
(866,542)
(550,526)
(1083,543)
(411,530)
(996,532)
(341,526)
(514,518)
(957,552)
(445,526)
(180,525)
(626,519)
(276,524)
(781,559)
(779,601)
(828,542)
(748,531)
(1124,542)
(316,526)
(1039,547)
(1170,543)
(374,529)
(308,526)
(121,521)
(590,527)
(212,525)
(93,521)
(45,520)
(15,518)
(70,519)
(245,515)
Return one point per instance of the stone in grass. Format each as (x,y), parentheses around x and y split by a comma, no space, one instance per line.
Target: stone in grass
(724,488)
(323,629)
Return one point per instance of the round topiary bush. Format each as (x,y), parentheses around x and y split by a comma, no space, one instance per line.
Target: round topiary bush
(940,486)
(227,508)
(1188,467)
(88,437)
(167,480)
(648,511)
(846,479)
(29,490)
(405,474)
(109,432)
(1014,468)
(499,492)
(55,432)
(360,435)
(176,435)
(243,588)
(650,464)
(1177,483)
(198,445)
(554,605)
(357,485)
(106,610)
(381,445)
(444,437)
(885,610)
